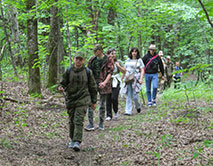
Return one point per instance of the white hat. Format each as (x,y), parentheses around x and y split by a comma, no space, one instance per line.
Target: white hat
(152,47)
(168,57)
(160,52)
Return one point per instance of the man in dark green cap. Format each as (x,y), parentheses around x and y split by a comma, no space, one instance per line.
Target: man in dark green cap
(81,91)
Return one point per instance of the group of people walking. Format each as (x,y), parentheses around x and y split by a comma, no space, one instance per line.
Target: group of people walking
(102,75)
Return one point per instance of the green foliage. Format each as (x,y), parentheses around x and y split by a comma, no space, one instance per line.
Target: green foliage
(180,29)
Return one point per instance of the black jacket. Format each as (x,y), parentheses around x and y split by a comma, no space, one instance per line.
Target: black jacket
(153,66)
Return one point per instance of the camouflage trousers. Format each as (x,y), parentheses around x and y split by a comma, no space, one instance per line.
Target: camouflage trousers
(76,122)
(161,84)
(102,110)
(168,81)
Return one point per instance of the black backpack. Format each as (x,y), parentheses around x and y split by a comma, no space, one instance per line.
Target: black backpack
(68,73)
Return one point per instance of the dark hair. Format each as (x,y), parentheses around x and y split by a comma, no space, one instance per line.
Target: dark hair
(110,50)
(138,53)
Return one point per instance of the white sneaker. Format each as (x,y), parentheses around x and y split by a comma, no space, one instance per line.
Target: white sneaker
(108,118)
(116,115)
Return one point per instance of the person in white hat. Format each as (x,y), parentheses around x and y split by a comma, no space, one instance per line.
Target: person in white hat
(152,62)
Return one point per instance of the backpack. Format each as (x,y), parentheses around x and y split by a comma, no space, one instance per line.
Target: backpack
(68,73)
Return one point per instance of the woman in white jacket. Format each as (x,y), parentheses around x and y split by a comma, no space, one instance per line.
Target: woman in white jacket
(112,99)
(133,64)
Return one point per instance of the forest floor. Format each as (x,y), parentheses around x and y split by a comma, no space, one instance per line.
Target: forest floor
(34,132)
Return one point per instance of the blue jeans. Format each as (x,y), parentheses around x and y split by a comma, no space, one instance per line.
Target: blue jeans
(131,94)
(151,79)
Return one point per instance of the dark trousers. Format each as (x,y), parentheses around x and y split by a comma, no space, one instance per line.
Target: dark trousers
(168,81)
(112,101)
(76,122)
(177,82)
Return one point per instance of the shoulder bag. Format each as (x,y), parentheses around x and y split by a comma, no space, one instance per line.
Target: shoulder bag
(131,77)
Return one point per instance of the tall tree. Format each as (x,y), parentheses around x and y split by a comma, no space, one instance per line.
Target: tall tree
(32,43)
(14,26)
(54,39)
(11,53)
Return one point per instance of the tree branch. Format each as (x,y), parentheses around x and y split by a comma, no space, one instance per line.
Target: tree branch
(207,16)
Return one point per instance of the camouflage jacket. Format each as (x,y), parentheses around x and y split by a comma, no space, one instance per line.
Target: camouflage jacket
(80,87)
(169,69)
(106,68)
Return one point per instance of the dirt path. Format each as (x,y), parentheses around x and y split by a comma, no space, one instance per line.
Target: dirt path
(36,133)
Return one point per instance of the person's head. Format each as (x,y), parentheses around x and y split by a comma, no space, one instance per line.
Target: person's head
(168,58)
(134,53)
(152,49)
(177,64)
(113,53)
(98,50)
(79,59)
(160,53)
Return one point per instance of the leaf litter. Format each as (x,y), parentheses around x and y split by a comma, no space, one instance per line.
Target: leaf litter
(34,131)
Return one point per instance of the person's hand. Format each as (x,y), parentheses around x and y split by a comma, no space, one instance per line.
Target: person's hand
(93,106)
(163,78)
(117,64)
(141,80)
(60,89)
(102,85)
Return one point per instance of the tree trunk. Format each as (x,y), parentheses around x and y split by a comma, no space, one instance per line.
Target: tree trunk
(8,41)
(32,43)
(139,29)
(121,54)
(61,54)
(94,15)
(54,38)
(111,16)
(14,26)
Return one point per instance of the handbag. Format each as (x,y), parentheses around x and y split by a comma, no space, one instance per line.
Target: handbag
(131,77)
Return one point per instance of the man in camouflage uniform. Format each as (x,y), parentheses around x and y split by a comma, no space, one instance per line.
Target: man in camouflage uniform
(81,91)
(161,82)
(102,68)
(169,70)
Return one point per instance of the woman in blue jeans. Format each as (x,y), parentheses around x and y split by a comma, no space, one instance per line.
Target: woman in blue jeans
(152,63)
(133,64)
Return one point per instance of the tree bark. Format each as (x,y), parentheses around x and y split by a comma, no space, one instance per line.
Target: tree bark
(14,26)
(139,28)
(54,38)
(121,56)
(34,82)
(8,41)
(94,15)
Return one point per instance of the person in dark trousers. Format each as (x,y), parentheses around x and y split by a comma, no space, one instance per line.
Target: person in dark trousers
(102,68)
(177,76)
(168,71)
(112,98)
(161,82)
(152,62)
(80,89)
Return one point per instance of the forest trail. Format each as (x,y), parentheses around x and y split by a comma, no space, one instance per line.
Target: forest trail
(35,132)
